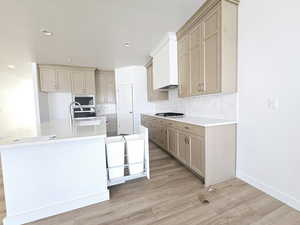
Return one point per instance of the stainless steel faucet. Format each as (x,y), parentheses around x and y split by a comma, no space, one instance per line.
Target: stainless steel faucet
(71,108)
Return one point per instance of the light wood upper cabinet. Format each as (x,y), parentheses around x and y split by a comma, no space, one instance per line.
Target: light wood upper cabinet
(212,49)
(105,87)
(63,81)
(48,81)
(212,52)
(184,66)
(59,78)
(154,95)
(197,68)
(90,86)
(78,82)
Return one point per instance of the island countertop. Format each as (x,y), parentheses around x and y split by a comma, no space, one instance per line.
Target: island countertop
(55,131)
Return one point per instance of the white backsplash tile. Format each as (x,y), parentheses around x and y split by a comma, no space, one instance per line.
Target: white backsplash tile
(222,106)
(103,109)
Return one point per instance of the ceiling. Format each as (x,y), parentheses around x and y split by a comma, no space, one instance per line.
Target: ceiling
(86,32)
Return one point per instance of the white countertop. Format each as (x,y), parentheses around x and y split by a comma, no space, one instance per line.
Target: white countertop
(57,130)
(199,121)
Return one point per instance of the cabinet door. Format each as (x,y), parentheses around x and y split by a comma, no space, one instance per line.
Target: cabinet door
(150,83)
(78,82)
(105,87)
(48,80)
(154,95)
(184,148)
(197,68)
(63,81)
(111,88)
(164,138)
(197,155)
(212,51)
(90,85)
(184,66)
(172,141)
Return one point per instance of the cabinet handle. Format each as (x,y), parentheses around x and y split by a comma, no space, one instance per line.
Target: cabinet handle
(187,128)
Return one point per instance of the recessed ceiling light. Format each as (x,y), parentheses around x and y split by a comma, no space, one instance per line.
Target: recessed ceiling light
(12,67)
(46,32)
(127,44)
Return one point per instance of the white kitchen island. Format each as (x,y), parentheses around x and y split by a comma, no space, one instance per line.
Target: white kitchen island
(60,168)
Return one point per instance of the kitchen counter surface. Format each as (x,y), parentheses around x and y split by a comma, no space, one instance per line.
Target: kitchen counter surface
(55,131)
(199,121)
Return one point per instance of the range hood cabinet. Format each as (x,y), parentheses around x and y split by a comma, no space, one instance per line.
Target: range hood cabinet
(165,72)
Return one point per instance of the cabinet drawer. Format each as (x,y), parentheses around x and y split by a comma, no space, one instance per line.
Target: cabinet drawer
(197,130)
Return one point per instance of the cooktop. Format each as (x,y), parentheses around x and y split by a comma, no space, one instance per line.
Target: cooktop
(170,114)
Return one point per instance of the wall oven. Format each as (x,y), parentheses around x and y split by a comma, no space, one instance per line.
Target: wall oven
(87,107)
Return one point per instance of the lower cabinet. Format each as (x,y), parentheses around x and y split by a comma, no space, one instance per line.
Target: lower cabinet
(209,152)
(172,141)
(197,150)
(184,148)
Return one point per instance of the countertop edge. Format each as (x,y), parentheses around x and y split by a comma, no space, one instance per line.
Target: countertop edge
(53,141)
(196,124)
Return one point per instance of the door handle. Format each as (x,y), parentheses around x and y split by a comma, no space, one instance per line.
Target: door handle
(130,112)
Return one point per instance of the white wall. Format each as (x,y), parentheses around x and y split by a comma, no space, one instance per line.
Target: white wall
(137,76)
(215,106)
(17,106)
(269,76)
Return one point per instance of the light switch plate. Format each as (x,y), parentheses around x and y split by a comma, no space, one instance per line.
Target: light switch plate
(273,104)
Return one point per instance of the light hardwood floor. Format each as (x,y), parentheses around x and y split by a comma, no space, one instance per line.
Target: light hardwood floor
(174,196)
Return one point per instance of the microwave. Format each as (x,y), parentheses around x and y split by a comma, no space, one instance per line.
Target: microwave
(87,108)
(85,101)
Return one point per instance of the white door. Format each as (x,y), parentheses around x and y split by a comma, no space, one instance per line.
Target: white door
(125,109)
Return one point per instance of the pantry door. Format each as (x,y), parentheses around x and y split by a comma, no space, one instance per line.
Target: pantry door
(125,109)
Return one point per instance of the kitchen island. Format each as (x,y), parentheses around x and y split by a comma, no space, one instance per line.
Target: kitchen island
(58,168)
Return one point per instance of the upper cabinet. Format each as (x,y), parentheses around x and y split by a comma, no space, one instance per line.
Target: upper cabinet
(83,82)
(48,81)
(184,66)
(207,50)
(78,80)
(165,73)
(154,95)
(105,87)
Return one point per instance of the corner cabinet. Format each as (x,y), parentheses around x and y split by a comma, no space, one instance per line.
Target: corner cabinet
(207,50)
(209,152)
(154,95)
(59,78)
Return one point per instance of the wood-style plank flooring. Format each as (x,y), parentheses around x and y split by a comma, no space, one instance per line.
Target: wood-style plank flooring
(174,196)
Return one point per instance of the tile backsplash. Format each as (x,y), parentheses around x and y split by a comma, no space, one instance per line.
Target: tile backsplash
(221,106)
(103,109)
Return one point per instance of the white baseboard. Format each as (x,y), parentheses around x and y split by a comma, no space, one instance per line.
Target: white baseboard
(274,192)
(55,209)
